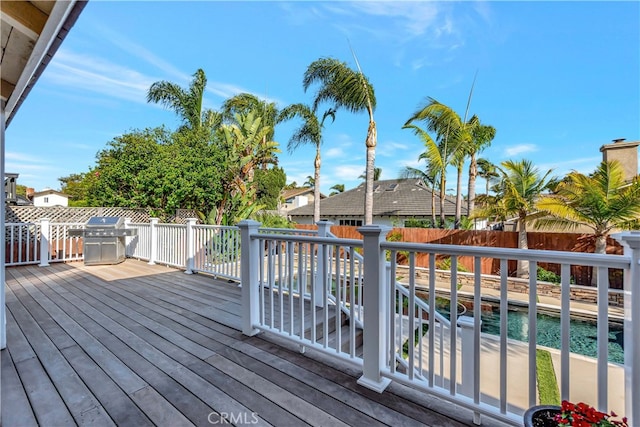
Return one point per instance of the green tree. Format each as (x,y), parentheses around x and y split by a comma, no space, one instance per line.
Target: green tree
(430,177)
(21,190)
(520,186)
(488,172)
(76,185)
(245,103)
(269,183)
(602,201)
(186,103)
(245,148)
(455,136)
(439,155)
(309,132)
(349,89)
(310,182)
(377,173)
(158,170)
(337,189)
(481,137)
(122,172)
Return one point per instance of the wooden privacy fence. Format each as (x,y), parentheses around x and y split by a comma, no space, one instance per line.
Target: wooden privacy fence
(569,242)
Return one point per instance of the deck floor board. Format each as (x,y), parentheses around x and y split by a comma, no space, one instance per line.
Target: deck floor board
(135,344)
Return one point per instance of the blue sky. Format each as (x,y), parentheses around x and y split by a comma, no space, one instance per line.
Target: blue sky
(556,79)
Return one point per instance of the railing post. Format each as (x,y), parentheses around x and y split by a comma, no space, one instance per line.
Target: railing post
(191,246)
(249,262)
(153,234)
(630,240)
(324,229)
(127,239)
(467,386)
(375,332)
(45,234)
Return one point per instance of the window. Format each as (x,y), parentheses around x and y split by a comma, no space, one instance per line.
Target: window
(392,187)
(351,222)
(46,200)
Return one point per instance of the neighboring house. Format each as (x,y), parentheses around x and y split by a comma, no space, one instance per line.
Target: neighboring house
(50,198)
(624,152)
(394,202)
(296,197)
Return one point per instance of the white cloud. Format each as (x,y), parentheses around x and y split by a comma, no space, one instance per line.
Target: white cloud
(334,152)
(93,74)
(347,172)
(20,157)
(520,149)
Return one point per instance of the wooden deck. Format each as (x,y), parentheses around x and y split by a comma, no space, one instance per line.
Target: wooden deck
(135,345)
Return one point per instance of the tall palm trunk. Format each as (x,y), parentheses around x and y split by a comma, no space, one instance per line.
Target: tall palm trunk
(371,159)
(316,186)
(433,205)
(601,248)
(443,182)
(523,243)
(459,197)
(471,191)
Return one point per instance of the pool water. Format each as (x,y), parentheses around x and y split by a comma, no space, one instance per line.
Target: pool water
(582,335)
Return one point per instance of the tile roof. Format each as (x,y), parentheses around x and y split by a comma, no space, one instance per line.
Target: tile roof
(393,197)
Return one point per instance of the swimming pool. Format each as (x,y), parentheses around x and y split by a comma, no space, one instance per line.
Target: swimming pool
(582,336)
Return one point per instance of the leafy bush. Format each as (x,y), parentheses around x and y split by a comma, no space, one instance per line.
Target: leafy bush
(445,264)
(418,223)
(547,276)
(270,220)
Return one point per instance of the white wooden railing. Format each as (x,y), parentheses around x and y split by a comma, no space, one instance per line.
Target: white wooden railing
(41,243)
(294,279)
(490,375)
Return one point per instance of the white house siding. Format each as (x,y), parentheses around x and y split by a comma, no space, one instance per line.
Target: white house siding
(52,199)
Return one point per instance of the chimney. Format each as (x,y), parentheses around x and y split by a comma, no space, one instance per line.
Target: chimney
(624,152)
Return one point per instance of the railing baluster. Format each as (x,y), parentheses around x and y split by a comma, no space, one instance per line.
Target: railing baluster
(565,317)
(504,308)
(603,338)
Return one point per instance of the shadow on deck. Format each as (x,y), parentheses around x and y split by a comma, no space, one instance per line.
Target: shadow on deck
(135,345)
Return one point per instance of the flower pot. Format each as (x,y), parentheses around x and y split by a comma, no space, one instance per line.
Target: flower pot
(541,416)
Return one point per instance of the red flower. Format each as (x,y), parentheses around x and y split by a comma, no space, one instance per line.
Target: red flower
(583,415)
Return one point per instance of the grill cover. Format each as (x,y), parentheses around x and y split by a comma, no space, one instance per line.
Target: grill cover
(104,240)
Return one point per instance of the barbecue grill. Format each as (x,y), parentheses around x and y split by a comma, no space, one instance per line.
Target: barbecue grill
(104,240)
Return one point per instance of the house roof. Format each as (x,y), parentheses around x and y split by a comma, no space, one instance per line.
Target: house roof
(293,192)
(32,31)
(393,197)
(48,192)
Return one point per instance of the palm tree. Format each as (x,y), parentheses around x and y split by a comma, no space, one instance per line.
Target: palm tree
(338,188)
(246,103)
(520,187)
(349,89)
(377,173)
(245,146)
(185,103)
(310,182)
(602,201)
(481,138)
(309,132)
(458,134)
(439,156)
(487,171)
(430,177)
